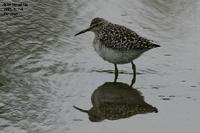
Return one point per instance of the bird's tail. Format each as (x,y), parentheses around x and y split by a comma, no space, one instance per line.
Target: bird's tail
(154,45)
(144,43)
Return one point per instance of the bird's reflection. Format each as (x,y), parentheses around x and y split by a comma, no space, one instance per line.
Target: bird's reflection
(115,101)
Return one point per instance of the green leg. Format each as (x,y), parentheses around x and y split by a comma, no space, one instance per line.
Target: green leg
(116,73)
(134,73)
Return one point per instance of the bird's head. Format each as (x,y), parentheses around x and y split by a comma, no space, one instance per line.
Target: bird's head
(95,25)
(93,113)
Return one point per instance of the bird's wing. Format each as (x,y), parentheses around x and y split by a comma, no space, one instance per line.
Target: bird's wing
(121,38)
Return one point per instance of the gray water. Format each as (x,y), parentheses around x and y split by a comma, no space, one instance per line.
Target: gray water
(45,70)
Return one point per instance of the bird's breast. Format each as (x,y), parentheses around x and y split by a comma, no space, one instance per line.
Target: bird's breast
(115,56)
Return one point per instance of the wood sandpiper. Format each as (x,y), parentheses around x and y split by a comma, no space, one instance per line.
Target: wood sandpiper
(118,44)
(115,101)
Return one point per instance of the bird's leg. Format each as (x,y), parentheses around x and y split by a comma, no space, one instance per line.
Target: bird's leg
(116,73)
(134,73)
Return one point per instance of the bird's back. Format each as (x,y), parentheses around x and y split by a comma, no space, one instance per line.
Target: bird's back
(121,38)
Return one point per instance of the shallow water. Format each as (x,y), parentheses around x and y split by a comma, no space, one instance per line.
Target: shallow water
(45,70)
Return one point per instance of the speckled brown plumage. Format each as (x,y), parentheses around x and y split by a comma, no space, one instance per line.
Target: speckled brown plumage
(121,38)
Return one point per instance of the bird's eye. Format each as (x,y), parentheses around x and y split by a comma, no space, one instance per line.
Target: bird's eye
(96,22)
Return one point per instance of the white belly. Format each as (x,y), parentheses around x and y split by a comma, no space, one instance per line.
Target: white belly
(115,56)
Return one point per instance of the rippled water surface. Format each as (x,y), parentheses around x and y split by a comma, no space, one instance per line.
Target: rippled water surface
(45,70)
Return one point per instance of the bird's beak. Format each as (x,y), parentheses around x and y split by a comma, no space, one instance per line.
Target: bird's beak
(82,110)
(83,31)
